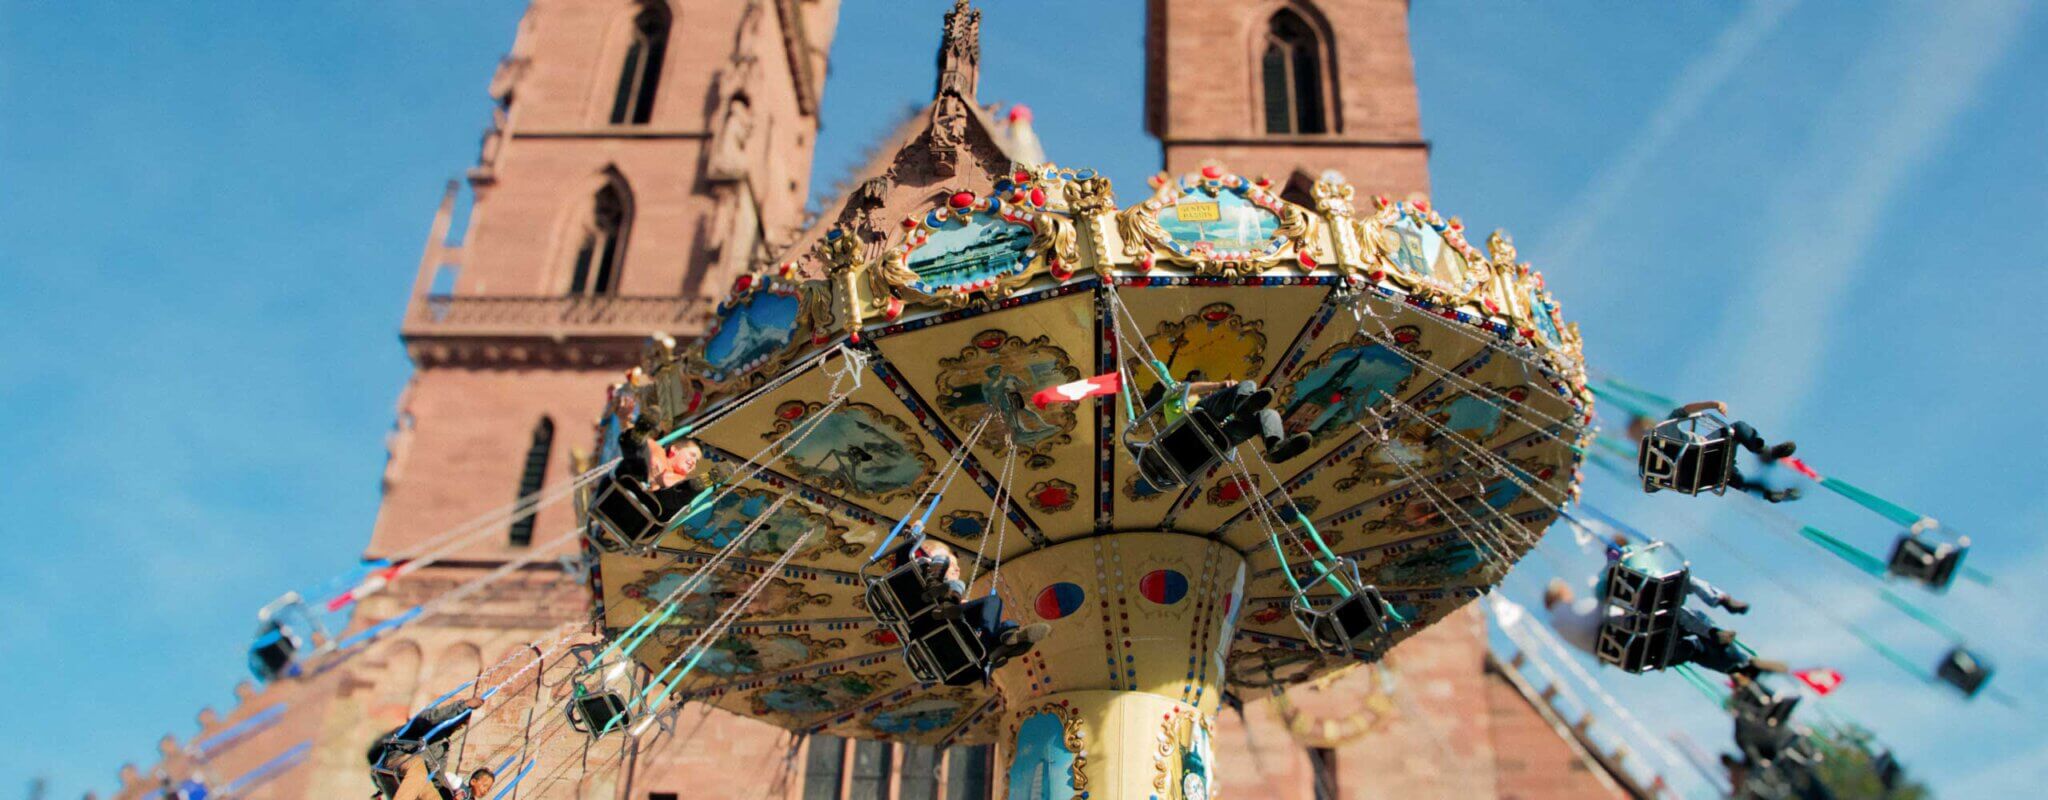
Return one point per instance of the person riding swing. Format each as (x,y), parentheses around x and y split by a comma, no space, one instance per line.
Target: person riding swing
(1197,421)
(649,490)
(945,639)
(1693,450)
(420,743)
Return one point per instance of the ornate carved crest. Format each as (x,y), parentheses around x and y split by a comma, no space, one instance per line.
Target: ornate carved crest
(1216,224)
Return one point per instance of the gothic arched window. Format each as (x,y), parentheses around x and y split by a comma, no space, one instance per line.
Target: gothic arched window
(640,72)
(603,243)
(532,476)
(1291,71)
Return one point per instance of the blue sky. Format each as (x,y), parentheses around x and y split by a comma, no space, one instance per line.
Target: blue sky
(208,222)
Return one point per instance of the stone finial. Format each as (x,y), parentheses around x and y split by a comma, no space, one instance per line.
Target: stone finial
(960,51)
(243,688)
(208,717)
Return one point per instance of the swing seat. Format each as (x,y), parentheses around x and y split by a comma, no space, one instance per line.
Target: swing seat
(1931,563)
(1349,623)
(600,708)
(1178,452)
(630,515)
(1648,585)
(1964,670)
(1691,454)
(1763,728)
(942,651)
(284,638)
(597,713)
(1888,770)
(272,654)
(392,779)
(901,595)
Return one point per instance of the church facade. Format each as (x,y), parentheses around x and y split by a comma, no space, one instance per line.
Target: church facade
(644,155)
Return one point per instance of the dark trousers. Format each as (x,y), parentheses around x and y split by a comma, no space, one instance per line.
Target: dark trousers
(1694,648)
(1742,434)
(1222,407)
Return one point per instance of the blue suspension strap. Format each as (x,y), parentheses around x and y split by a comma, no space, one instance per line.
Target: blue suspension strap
(950,470)
(514,783)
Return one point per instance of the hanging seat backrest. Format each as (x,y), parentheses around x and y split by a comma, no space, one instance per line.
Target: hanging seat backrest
(899,595)
(1932,563)
(1690,454)
(941,651)
(598,712)
(272,653)
(600,707)
(628,513)
(1178,451)
(1965,670)
(1352,620)
(1645,592)
(1763,722)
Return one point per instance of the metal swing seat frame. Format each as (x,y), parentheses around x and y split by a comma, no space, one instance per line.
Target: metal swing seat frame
(597,709)
(1354,619)
(388,778)
(1691,455)
(1935,564)
(1763,723)
(286,635)
(629,515)
(1178,452)
(1964,669)
(1648,585)
(936,649)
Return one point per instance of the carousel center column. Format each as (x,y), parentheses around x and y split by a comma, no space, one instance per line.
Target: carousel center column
(1118,701)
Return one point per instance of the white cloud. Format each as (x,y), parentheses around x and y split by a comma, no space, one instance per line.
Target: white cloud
(1696,83)
(1898,103)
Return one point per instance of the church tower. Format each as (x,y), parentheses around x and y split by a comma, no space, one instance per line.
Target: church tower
(643,153)
(1286,90)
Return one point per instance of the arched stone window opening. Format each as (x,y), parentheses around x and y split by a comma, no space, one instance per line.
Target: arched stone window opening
(640,71)
(1291,73)
(603,244)
(532,476)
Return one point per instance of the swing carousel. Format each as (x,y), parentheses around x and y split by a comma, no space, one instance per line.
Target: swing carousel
(964,353)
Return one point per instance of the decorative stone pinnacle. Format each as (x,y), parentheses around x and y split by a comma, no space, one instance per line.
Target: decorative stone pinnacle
(960,52)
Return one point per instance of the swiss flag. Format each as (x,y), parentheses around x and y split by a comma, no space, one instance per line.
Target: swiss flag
(1079,390)
(1822,681)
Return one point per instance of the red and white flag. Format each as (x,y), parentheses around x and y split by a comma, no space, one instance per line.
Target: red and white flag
(1079,390)
(1822,680)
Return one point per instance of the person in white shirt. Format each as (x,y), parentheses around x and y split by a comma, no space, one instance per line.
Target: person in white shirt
(1577,621)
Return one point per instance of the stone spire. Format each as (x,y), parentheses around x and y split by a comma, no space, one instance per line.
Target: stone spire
(960,52)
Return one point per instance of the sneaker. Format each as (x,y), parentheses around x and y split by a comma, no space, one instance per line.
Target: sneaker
(1258,400)
(1018,641)
(1735,606)
(1781,450)
(1724,637)
(1288,448)
(1782,495)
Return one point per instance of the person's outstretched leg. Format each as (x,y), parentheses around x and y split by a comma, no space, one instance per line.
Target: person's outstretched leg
(1737,482)
(1279,446)
(1746,436)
